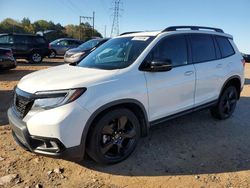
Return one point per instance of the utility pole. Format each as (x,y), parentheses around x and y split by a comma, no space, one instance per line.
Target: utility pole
(116,14)
(105,31)
(82,18)
(93,23)
(80,29)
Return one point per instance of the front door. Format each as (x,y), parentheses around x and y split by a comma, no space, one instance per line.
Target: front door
(172,91)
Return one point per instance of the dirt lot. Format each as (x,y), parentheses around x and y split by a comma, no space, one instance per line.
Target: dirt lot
(191,151)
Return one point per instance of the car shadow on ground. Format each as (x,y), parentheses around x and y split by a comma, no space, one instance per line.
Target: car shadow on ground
(192,144)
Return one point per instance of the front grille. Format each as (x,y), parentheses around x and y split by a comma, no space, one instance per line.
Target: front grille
(22,105)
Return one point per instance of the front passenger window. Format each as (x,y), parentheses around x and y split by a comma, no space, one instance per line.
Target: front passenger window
(173,49)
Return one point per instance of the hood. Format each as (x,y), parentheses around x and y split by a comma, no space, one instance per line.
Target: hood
(64,77)
(76,50)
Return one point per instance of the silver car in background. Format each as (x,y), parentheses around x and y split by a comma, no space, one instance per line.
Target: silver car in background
(60,46)
(75,55)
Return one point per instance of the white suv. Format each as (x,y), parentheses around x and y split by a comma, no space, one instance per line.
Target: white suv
(134,81)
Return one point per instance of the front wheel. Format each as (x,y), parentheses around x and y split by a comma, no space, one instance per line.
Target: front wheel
(113,137)
(226,104)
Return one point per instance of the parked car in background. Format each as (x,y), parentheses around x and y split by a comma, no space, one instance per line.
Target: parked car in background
(246,57)
(60,46)
(7,60)
(75,55)
(31,47)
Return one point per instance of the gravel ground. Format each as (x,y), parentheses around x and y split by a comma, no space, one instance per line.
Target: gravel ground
(191,151)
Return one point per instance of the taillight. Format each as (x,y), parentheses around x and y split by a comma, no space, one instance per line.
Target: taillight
(49,46)
(243,62)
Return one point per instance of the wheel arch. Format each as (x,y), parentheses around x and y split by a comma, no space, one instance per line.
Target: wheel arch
(134,105)
(232,81)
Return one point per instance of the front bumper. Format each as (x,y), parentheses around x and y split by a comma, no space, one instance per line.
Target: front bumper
(42,145)
(72,60)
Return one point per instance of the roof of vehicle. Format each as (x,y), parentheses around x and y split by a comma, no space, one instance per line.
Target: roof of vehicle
(179,29)
(67,39)
(21,34)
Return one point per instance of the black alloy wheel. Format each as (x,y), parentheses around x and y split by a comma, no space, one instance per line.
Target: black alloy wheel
(114,137)
(226,104)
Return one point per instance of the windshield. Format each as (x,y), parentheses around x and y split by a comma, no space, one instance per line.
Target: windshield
(116,53)
(89,44)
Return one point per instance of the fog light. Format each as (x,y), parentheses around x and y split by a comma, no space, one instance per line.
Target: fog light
(49,146)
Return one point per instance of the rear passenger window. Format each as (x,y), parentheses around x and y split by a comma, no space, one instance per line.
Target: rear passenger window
(225,47)
(202,48)
(20,39)
(173,49)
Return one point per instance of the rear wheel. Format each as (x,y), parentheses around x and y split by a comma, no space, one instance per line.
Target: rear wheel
(114,136)
(36,57)
(226,104)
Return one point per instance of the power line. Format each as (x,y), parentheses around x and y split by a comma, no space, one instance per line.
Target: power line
(74,6)
(116,15)
(90,18)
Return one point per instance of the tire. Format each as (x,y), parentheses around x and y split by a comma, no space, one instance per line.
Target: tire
(226,104)
(36,57)
(113,137)
(52,54)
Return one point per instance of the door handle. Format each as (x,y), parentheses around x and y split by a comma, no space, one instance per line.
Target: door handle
(188,73)
(219,66)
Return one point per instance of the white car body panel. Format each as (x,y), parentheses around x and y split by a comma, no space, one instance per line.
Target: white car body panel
(170,92)
(63,77)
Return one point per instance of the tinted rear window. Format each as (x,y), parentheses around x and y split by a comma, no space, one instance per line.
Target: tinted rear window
(20,39)
(225,47)
(202,48)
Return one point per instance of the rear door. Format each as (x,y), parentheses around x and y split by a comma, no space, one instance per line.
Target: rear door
(62,47)
(172,91)
(21,45)
(209,68)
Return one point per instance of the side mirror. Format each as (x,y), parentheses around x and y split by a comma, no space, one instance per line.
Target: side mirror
(157,66)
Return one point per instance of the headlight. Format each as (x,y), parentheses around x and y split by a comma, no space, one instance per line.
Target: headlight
(79,54)
(52,99)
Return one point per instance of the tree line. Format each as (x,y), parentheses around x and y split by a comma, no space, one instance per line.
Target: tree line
(82,32)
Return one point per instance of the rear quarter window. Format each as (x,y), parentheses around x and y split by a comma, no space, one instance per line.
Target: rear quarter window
(202,48)
(40,40)
(225,46)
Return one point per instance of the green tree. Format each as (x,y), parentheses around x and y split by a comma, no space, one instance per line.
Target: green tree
(27,26)
(84,31)
(11,26)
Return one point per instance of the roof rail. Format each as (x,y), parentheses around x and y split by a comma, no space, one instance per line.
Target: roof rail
(175,28)
(130,32)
